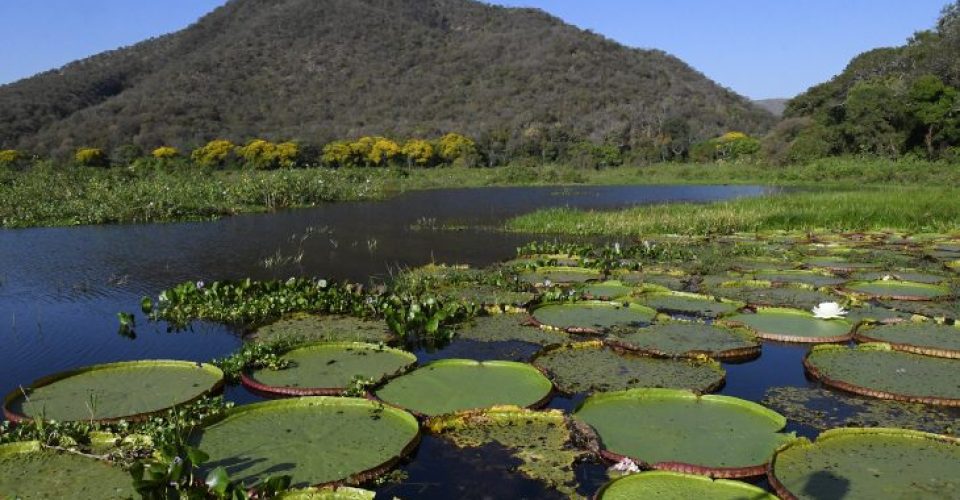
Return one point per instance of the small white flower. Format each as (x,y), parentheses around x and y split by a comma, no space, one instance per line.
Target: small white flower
(200,285)
(547,282)
(321,283)
(626,466)
(829,310)
(887,277)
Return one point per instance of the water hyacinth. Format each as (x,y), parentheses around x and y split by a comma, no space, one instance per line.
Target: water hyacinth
(829,310)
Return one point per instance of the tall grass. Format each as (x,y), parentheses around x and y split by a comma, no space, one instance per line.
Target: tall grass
(911,209)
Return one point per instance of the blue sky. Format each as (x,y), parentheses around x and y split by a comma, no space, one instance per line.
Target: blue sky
(759,48)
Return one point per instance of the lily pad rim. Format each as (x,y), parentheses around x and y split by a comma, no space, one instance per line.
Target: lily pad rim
(848,288)
(18,393)
(793,338)
(735,354)
(862,336)
(754,491)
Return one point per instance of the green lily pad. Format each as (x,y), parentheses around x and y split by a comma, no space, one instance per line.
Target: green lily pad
(592,317)
(607,290)
(763,294)
(676,281)
(541,440)
(560,275)
(667,485)
(593,367)
(27,471)
(802,276)
(314,328)
(486,295)
(451,385)
(927,338)
(946,310)
(838,264)
(792,325)
(678,430)
(873,314)
(759,263)
(876,370)
(129,390)
(690,303)
(869,463)
(329,493)
(328,369)
(315,440)
(914,276)
(898,290)
(507,328)
(676,339)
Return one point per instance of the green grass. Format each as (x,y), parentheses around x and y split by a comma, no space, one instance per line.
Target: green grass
(912,209)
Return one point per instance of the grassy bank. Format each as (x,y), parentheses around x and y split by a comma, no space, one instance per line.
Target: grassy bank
(912,209)
(61,196)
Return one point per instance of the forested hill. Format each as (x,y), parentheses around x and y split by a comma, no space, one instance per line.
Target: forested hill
(888,101)
(318,70)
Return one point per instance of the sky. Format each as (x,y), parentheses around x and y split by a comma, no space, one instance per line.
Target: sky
(758,48)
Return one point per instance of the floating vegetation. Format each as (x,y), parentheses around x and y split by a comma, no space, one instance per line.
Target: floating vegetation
(690,339)
(507,328)
(791,325)
(878,371)
(451,385)
(595,367)
(131,390)
(901,275)
(316,440)
(927,338)
(667,484)
(665,429)
(691,304)
(592,317)
(324,328)
(838,264)
(763,294)
(815,279)
(541,440)
(670,280)
(941,310)
(826,409)
(329,369)
(329,493)
(486,295)
(898,290)
(28,471)
(868,463)
(607,290)
(544,276)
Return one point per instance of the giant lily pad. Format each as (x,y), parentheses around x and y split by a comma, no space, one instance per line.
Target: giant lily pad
(451,385)
(761,293)
(922,338)
(719,436)
(328,493)
(878,371)
(868,463)
(507,328)
(667,485)
(949,309)
(838,264)
(592,317)
(560,275)
(801,276)
(541,440)
(313,328)
(316,440)
(690,304)
(679,339)
(607,290)
(486,295)
(898,290)
(27,471)
(902,275)
(129,390)
(592,366)
(328,369)
(792,325)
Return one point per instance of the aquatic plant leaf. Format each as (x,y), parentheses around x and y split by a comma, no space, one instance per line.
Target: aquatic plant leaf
(606,290)
(451,385)
(667,485)
(322,328)
(678,430)
(594,367)
(329,368)
(329,493)
(506,328)
(878,371)
(898,290)
(593,317)
(926,337)
(801,276)
(792,325)
(128,390)
(560,275)
(29,472)
(868,463)
(690,303)
(682,339)
(316,440)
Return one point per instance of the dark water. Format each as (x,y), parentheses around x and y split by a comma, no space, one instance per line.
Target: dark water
(60,289)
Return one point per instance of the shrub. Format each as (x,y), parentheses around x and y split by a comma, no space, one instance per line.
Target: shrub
(418,152)
(90,157)
(214,154)
(10,157)
(457,149)
(165,153)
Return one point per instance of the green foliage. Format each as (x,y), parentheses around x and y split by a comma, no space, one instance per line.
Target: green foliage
(729,146)
(90,157)
(586,154)
(214,154)
(457,149)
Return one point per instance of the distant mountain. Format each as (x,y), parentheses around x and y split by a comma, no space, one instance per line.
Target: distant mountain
(774,106)
(318,70)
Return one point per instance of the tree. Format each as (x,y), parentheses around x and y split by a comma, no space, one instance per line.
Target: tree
(10,157)
(90,157)
(338,154)
(214,154)
(165,153)
(934,104)
(418,152)
(382,151)
(456,148)
(287,154)
(873,119)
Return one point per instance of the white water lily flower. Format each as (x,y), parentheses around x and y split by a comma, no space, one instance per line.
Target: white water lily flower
(626,466)
(887,277)
(829,310)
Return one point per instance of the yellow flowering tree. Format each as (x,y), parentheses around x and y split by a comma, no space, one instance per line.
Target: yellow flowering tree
(729,146)
(455,147)
(165,153)
(361,149)
(383,151)
(418,152)
(286,154)
(258,153)
(90,157)
(10,157)
(213,154)
(338,154)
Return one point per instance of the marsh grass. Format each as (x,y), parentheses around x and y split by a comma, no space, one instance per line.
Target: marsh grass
(912,209)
